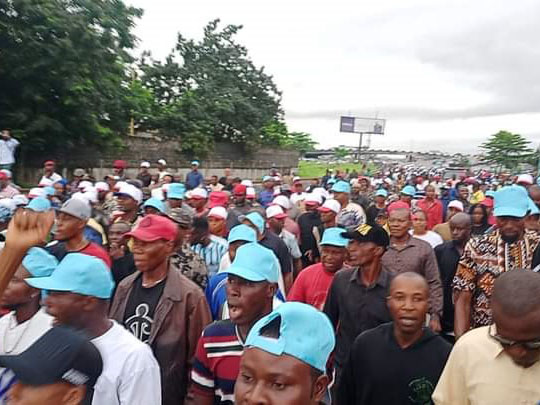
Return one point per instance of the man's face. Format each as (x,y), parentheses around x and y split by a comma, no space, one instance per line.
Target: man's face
(464,193)
(406,198)
(419,222)
(327,216)
(118,171)
(311,207)
(511,228)
(460,232)
(126,203)
(239,199)
(51,394)
(276,380)
(198,203)
(49,167)
(342,198)
(333,257)
(117,232)
(522,329)
(430,193)
(66,307)
(68,226)
(380,200)
(216,225)
(276,225)
(399,223)
(408,304)
(247,299)
(5,134)
(214,180)
(149,255)
(3,182)
(17,292)
(362,253)
(451,212)
(268,184)
(174,202)
(194,167)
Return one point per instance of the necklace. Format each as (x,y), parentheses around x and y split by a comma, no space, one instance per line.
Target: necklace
(11,328)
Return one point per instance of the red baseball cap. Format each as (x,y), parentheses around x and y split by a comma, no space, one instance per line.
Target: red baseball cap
(49,162)
(120,164)
(487,202)
(240,189)
(218,199)
(397,205)
(154,227)
(3,176)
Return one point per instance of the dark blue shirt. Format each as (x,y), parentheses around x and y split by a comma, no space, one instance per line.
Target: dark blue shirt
(194,179)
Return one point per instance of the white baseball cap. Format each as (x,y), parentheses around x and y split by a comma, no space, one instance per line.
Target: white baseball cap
(162,162)
(131,191)
(331,205)
(283,202)
(45,182)
(313,198)
(458,205)
(102,186)
(250,192)
(83,185)
(525,179)
(218,212)
(145,164)
(275,211)
(200,193)
(247,183)
(36,192)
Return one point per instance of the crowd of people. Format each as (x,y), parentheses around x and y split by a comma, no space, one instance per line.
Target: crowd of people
(402,287)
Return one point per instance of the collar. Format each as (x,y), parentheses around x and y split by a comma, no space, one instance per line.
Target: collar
(410,243)
(383,280)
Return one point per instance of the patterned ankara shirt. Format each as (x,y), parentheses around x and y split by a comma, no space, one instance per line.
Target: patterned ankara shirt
(484,259)
(191,265)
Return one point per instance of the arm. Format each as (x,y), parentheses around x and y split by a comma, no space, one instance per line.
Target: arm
(452,386)
(331,306)
(288,281)
(462,312)
(431,271)
(297,291)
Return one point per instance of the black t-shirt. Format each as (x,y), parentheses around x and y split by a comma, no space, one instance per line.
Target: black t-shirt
(373,212)
(140,308)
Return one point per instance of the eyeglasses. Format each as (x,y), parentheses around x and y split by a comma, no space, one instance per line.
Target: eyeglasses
(506,343)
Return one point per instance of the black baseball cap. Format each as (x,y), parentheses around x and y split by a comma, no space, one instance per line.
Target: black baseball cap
(60,355)
(368,233)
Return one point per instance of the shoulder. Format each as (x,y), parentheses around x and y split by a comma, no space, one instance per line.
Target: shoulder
(443,246)
(376,334)
(218,329)
(343,276)
(422,244)
(532,237)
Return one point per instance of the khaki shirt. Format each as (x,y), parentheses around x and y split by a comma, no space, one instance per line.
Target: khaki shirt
(478,372)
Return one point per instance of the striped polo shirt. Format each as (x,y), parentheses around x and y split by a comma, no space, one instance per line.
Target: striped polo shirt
(212,253)
(217,362)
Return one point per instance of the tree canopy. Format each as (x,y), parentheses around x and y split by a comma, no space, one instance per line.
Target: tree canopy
(507,150)
(63,66)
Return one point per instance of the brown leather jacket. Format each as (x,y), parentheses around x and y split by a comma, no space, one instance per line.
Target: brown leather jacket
(179,319)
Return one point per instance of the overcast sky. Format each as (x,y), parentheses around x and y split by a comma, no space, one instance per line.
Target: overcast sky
(445,74)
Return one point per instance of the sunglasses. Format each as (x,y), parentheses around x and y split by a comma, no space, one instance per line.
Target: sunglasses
(506,343)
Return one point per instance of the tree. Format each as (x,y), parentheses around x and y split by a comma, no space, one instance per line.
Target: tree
(507,149)
(340,152)
(211,91)
(276,133)
(63,71)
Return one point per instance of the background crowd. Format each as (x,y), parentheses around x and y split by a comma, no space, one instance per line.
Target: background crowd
(403,287)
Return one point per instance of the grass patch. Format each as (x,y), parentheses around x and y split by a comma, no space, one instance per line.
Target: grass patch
(318,169)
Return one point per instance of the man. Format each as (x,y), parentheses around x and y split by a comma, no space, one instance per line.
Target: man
(7,149)
(251,286)
(312,284)
(378,207)
(194,179)
(409,254)
(443,229)
(463,196)
(288,349)
(275,219)
(271,241)
(210,247)
(498,364)
(328,213)
(71,221)
(488,256)
(129,198)
(534,193)
(214,184)
(217,222)
(448,255)
(239,207)
(122,258)
(6,189)
(26,322)
(356,300)
(144,175)
(60,368)
(292,212)
(186,260)
(342,190)
(78,296)
(407,193)
(119,169)
(432,207)
(175,195)
(266,195)
(414,357)
(162,169)
(160,306)
(49,175)
(198,202)
(307,222)
(525,180)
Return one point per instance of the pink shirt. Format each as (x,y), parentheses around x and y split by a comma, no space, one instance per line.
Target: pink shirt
(311,286)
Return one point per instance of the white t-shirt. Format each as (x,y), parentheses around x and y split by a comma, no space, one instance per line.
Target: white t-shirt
(16,338)
(130,372)
(53,178)
(433,238)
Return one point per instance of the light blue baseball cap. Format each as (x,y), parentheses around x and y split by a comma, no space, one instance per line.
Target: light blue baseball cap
(381,193)
(255,218)
(331,180)
(242,232)
(341,187)
(39,204)
(39,263)
(49,190)
(533,209)
(80,274)
(408,190)
(304,333)
(176,191)
(155,203)
(254,262)
(267,178)
(332,237)
(511,201)
(490,193)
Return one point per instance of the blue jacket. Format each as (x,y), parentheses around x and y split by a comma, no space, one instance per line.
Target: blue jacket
(194,179)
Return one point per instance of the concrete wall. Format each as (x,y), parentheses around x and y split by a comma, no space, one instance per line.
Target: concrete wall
(243,164)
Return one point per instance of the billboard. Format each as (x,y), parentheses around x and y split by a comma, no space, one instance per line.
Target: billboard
(359,125)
